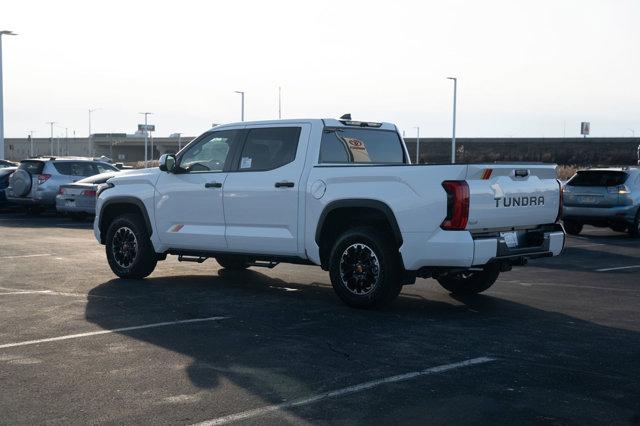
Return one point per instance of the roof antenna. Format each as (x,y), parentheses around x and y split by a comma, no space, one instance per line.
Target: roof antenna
(346,116)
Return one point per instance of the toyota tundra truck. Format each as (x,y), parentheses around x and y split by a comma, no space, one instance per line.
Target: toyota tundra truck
(341,194)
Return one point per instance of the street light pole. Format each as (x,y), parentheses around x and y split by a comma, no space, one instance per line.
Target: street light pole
(31,132)
(146,136)
(453,136)
(279,103)
(90,139)
(1,97)
(51,123)
(417,144)
(242,106)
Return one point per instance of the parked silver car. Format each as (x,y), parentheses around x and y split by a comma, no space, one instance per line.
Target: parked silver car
(79,199)
(605,197)
(37,180)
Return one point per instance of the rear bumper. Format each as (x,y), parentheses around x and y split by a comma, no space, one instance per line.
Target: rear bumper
(81,205)
(546,242)
(34,198)
(462,249)
(600,214)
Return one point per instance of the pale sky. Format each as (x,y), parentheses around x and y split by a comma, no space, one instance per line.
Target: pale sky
(525,68)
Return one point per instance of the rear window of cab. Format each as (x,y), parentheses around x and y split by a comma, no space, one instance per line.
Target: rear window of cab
(361,146)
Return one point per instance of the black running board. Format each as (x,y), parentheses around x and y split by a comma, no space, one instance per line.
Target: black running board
(265,264)
(196,259)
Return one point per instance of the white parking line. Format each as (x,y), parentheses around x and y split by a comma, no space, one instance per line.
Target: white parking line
(26,292)
(591,287)
(115,330)
(618,268)
(24,255)
(344,391)
(9,290)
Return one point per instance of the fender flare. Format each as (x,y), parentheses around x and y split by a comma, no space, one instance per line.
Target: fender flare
(360,202)
(126,200)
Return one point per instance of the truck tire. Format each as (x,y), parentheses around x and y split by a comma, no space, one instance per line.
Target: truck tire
(572,228)
(634,228)
(365,268)
(470,282)
(129,251)
(233,263)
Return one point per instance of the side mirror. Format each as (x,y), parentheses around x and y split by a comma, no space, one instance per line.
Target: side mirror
(168,163)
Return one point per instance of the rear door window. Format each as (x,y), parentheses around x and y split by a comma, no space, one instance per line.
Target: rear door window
(33,167)
(346,145)
(598,178)
(269,148)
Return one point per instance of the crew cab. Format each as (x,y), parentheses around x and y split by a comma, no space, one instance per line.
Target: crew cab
(340,194)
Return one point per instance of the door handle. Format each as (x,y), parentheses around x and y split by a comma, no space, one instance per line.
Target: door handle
(284,184)
(213,185)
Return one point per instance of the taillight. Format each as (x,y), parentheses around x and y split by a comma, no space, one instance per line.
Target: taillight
(43,178)
(560,203)
(620,189)
(88,193)
(457,205)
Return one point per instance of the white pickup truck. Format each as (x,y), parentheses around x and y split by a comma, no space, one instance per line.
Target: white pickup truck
(341,194)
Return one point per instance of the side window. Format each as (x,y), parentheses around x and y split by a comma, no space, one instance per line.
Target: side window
(75,168)
(269,148)
(211,153)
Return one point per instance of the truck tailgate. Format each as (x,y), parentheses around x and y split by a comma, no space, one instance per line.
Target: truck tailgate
(507,195)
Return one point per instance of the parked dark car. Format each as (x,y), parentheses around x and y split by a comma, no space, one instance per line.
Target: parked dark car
(4,183)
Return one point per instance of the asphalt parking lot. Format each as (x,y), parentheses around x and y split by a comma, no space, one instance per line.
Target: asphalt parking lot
(556,342)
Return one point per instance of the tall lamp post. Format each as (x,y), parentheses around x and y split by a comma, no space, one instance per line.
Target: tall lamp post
(279,103)
(51,123)
(91,140)
(417,144)
(242,105)
(146,136)
(5,32)
(31,132)
(453,135)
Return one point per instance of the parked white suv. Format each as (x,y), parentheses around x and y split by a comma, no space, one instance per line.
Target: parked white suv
(336,193)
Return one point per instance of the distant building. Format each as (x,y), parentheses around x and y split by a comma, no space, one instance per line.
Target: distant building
(120,147)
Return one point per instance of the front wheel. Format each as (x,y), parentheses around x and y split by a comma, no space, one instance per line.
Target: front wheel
(470,282)
(572,228)
(129,251)
(365,268)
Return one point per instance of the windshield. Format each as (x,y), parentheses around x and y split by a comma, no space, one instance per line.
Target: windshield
(33,167)
(598,178)
(347,145)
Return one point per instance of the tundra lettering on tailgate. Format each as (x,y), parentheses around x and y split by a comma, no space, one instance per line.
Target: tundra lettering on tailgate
(520,201)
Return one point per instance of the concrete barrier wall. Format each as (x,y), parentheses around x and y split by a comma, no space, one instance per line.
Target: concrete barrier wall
(574,151)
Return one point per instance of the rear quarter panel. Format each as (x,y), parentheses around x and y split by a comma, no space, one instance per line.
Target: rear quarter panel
(413,193)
